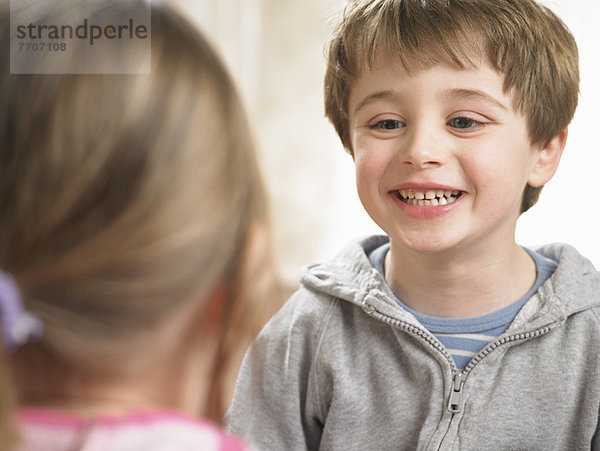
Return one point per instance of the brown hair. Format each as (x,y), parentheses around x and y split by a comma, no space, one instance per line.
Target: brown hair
(522,39)
(123,197)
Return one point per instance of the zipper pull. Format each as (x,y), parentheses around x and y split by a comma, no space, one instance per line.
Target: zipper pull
(456,393)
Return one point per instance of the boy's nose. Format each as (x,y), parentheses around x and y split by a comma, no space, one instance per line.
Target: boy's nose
(422,149)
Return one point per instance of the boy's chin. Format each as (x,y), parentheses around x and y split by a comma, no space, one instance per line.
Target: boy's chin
(424,248)
(425,244)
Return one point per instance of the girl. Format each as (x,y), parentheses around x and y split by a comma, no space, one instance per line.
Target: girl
(127,207)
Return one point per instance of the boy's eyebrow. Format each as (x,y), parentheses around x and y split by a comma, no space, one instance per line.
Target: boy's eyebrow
(378,95)
(474,94)
(458,94)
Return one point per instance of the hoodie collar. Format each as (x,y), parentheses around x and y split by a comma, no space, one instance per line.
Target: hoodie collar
(574,286)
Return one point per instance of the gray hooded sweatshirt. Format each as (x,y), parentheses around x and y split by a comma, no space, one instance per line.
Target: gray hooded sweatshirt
(343,367)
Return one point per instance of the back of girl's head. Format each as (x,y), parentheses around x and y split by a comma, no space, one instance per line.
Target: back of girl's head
(522,39)
(123,196)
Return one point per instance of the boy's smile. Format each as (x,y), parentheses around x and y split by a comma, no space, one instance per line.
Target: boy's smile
(427,201)
(442,158)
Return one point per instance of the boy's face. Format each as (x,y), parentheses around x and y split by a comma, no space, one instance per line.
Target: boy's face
(442,133)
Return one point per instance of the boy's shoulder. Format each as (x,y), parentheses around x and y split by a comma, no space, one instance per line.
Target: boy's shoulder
(343,282)
(348,272)
(575,284)
(574,272)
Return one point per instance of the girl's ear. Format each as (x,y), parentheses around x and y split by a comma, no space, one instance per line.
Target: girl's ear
(547,160)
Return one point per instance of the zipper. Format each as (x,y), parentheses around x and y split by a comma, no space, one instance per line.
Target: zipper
(458,377)
(509,339)
(413,330)
(456,393)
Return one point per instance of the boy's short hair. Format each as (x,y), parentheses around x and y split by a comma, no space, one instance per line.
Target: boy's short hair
(522,39)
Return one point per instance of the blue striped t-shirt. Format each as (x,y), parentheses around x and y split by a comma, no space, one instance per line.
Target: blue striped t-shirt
(465,337)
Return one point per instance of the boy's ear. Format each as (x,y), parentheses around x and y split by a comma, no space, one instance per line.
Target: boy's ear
(547,160)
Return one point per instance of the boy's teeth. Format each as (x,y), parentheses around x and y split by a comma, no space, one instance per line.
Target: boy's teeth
(429,198)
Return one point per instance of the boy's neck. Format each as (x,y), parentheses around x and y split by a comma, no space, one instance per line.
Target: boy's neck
(460,284)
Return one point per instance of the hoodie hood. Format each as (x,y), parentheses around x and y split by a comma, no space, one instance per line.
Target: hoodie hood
(573,287)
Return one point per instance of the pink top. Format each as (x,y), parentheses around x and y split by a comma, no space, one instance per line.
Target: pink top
(50,430)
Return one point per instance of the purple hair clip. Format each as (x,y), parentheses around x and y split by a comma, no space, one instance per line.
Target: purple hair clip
(18,325)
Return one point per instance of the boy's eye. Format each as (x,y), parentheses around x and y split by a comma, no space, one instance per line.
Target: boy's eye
(387,124)
(463,123)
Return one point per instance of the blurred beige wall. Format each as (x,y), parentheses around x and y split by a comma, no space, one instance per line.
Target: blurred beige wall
(275,50)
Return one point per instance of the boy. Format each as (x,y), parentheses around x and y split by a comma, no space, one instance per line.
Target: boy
(445,334)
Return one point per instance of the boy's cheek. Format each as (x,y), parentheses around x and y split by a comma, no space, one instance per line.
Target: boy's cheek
(365,171)
(367,167)
(370,183)
(356,144)
(366,148)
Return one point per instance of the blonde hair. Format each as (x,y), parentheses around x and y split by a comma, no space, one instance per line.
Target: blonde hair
(123,197)
(522,39)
